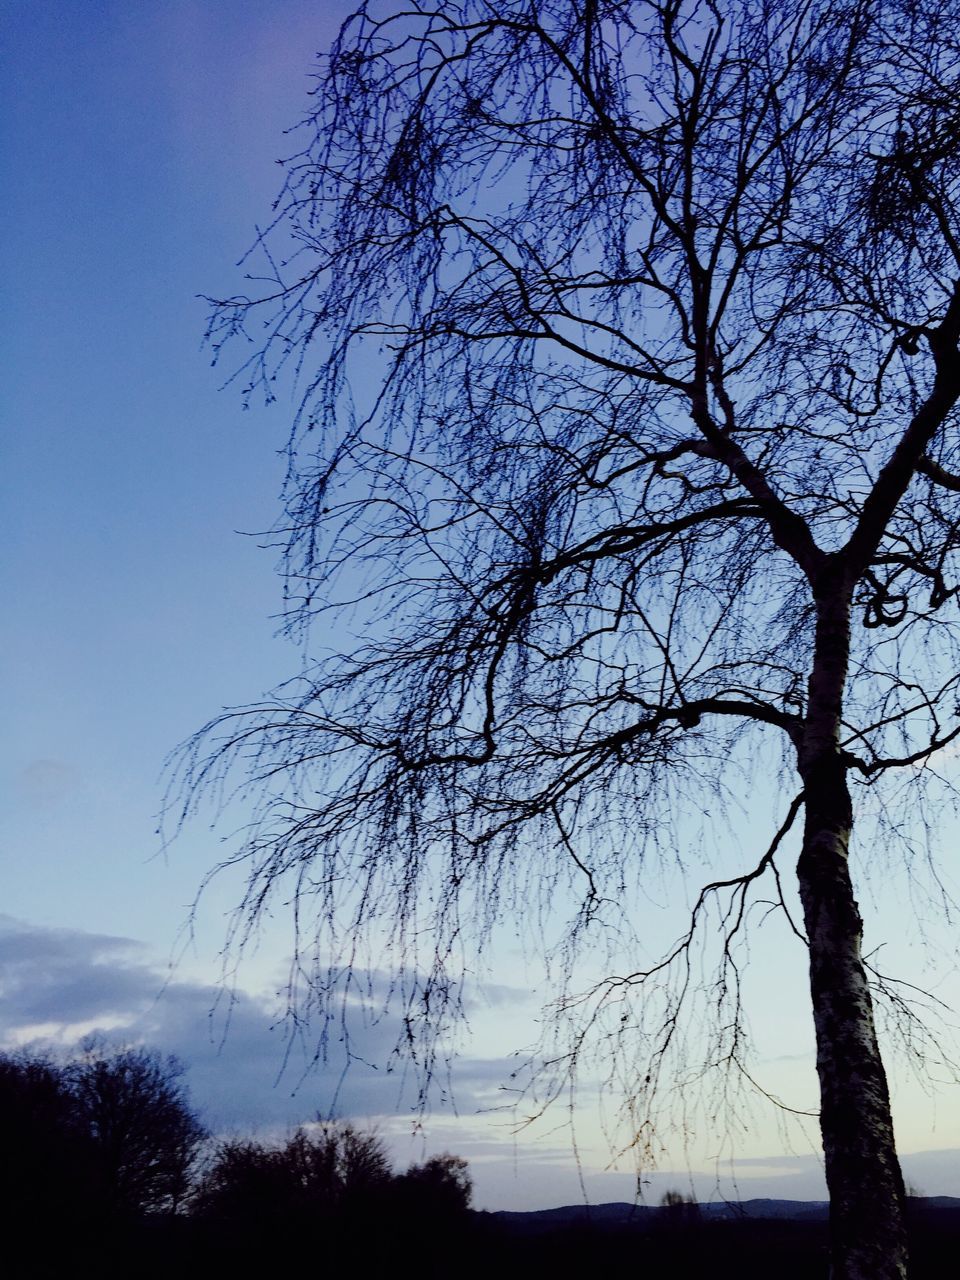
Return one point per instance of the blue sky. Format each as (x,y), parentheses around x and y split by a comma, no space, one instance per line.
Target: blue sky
(139,141)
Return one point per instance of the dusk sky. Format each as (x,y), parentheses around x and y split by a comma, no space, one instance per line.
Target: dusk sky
(139,148)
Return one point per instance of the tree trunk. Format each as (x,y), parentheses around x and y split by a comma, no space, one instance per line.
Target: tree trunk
(863,1173)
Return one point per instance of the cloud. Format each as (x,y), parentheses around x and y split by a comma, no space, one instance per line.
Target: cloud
(249,1067)
(800,1177)
(933,1173)
(784,1163)
(46,784)
(497,994)
(65,978)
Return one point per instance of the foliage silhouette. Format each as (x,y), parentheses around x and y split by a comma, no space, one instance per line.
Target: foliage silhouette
(441,1185)
(626,337)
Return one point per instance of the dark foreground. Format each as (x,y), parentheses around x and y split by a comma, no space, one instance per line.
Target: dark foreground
(480,1244)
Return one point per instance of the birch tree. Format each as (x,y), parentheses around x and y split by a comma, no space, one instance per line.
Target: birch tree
(626,344)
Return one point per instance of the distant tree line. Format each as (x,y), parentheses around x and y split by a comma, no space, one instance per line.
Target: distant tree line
(105,1165)
(106,1171)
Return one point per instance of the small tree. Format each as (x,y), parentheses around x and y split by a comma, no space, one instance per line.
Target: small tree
(441,1185)
(678,1212)
(633,461)
(136,1114)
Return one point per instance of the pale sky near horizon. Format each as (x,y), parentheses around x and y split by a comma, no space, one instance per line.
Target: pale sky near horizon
(138,141)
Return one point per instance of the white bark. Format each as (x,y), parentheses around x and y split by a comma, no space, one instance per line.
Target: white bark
(863,1173)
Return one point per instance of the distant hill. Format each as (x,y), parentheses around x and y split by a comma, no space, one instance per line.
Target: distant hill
(617,1214)
(641,1216)
(786,1210)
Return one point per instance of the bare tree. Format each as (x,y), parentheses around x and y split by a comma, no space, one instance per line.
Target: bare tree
(626,337)
(144,1136)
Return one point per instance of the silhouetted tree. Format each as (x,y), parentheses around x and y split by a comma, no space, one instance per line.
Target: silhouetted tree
(257,1202)
(245,1184)
(627,343)
(678,1212)
(137,1116)
(327,1170)
(46,1159)
(442,1185)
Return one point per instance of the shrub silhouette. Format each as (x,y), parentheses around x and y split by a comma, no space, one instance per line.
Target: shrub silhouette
(441,1185)
(325,1171)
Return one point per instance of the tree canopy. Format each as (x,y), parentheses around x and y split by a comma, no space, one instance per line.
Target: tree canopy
(625,338)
